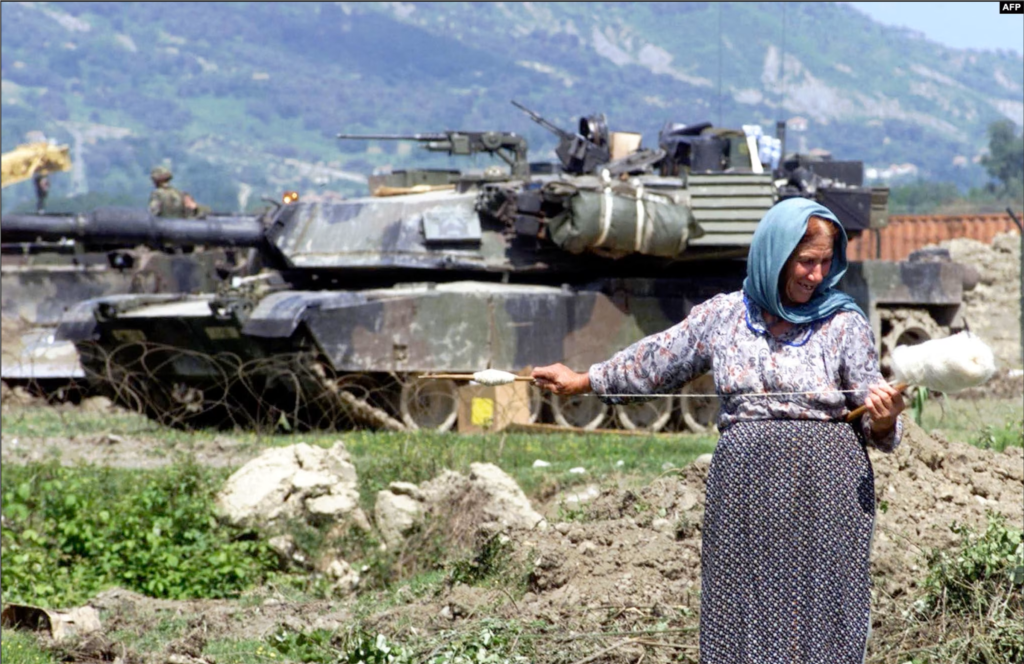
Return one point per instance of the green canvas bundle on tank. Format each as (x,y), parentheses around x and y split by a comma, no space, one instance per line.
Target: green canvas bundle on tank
(619,220)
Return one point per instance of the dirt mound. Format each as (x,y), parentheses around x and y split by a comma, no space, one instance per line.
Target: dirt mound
(992,308)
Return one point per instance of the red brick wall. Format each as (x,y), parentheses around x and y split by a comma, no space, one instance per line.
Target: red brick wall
(905,234)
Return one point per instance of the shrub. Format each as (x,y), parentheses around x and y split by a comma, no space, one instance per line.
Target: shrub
(985,568)
(978,588)
(69,532)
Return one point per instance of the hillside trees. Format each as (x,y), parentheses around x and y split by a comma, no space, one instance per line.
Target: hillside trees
(1005,159)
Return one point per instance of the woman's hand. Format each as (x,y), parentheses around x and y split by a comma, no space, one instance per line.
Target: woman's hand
(884,403)
(560,379)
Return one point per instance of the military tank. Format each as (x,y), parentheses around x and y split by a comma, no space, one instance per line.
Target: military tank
(52,261)
(518,265)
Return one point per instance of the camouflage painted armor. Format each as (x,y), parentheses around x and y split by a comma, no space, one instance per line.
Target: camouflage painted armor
(166,201)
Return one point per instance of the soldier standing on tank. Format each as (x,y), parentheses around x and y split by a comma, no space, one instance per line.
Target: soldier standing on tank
(165,200)
(42,182)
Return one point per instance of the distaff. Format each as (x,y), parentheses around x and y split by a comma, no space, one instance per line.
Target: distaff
(952,364)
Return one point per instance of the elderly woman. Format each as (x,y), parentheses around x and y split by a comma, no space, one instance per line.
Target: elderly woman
(790,491)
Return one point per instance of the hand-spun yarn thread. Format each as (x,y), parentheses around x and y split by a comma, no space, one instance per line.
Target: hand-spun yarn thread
(494,377)
(945,365)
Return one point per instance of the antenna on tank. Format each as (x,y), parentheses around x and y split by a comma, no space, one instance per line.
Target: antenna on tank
(719,64)
(782,60)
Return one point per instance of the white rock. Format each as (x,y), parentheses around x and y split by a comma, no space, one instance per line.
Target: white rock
(395,515)
(539,463)
(508,505)
(578,470)
(298,481)
(579,495)
(345,578)
(333,505)
(703,460)
(306,479)
(406,489)
(661,525)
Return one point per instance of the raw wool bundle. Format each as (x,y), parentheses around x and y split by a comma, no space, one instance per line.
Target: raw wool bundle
(945,365)
(494,377)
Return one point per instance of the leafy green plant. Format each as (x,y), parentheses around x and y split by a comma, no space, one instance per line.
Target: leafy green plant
(971,606)
(979,585)
(327,647)
(494,642)
(363,648)
(918,398)
(986,567)
(312,646)
(998,438)
(68,532)
(21,648)
(491,559)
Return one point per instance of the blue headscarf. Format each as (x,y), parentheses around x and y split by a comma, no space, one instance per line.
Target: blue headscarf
(778,234)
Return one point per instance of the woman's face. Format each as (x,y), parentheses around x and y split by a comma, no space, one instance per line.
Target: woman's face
(806,268)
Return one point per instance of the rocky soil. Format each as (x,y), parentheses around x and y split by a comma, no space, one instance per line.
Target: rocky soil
(992,308)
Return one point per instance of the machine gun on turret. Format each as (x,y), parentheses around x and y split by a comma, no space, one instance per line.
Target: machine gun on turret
(509,147)
(579,153)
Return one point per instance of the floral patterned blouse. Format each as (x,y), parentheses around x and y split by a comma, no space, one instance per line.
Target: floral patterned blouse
(728,336)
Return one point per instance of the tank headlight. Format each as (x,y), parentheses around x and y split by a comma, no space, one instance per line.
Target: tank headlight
(290,197)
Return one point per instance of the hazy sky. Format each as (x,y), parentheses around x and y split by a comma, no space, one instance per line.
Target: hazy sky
(956,24)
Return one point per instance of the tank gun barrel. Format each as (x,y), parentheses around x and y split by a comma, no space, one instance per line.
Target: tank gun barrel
(131,227)
(395,137)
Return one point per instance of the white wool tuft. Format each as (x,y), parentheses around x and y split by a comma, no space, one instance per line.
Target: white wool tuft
(494,377)
(945,365)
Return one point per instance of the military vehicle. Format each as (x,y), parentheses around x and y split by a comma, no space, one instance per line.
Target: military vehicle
(449,271)
(52,261)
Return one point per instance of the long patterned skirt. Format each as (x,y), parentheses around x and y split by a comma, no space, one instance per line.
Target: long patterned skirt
(787,534)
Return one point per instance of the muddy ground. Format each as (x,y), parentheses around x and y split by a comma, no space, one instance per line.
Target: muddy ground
(623,575)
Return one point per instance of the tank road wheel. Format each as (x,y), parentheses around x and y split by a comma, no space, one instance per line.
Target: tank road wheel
(698,414)
(651,415)
(429,404)
(583,411)
(906,327)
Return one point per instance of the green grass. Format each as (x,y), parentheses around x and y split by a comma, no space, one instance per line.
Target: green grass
(154,638)
(384,457)
(62,421)
(229,651)
(22,648)
(966,421)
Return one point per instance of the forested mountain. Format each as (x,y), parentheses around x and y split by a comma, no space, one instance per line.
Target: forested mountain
(244,99)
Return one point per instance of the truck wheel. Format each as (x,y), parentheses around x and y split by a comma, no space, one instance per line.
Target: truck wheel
(699,414)
(906,327)
(651,415)
(582,411)
(429,404)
